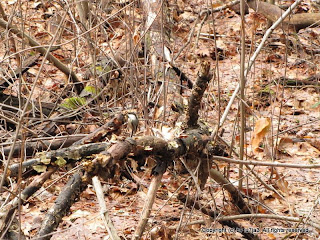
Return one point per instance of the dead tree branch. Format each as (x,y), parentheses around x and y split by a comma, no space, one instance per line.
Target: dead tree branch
(56,62)
(62,205)
(103,209)
(35,185)
(191,203)
(197,93)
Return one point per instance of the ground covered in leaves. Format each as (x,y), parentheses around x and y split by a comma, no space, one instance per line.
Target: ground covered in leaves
(286,114)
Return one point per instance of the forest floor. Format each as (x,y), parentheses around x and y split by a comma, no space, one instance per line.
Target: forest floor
(293,135)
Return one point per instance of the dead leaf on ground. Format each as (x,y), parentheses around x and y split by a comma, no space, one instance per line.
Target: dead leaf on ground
(261,128)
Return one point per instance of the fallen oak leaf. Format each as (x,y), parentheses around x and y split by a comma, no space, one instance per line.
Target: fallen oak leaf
(261,128)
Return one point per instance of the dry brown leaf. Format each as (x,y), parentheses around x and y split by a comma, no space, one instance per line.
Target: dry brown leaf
(281,183)
(261,128)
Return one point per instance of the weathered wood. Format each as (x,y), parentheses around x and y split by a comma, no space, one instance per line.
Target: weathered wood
(61,206)
(204,77)
(69,154)
(35,185)
(296,21)
(31,147)
(56,62)
(112,126)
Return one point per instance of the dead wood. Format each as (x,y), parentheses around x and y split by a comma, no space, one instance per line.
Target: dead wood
(312,81)
(183,78)
(66,198)
(69,154)
(32,147)
(103,209)
(236,8)
(296,21)
(11,103)
(112,126)
(192,203)
(56,62)
(11,75)
(106,163)
(194,101)
(231,4)
(235,194)
(8,210)
(14,232)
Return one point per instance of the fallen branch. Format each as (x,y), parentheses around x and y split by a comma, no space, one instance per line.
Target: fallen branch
(31,147)
(61,206)
(151,195)
(103,209)
(218,9)
(270,164)
(26,65)
(251,216)
(191,203)
(112,126)
(35,185)
(296,21)
(72,153)
(312,81)
(56,62)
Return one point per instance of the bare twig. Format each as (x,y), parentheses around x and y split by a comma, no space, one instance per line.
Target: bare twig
(56,62)
(103,210)
(270,164)
(254,56)
(250,216)
(242,88)
(155,183)
(218,9)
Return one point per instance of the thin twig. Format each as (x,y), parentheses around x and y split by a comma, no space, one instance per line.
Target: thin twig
(270,164)
(103,210)
(151,195)
(246,216)
(254,56)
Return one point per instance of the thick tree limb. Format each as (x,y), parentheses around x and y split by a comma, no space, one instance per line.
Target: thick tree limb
(62,205)
(72,153)
(296,21)
(31,147)
(197,93)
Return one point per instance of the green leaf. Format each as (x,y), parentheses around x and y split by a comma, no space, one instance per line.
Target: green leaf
(315,105)
(44,159)
(40,168)
(73,103)
(89,91)
(60,162)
